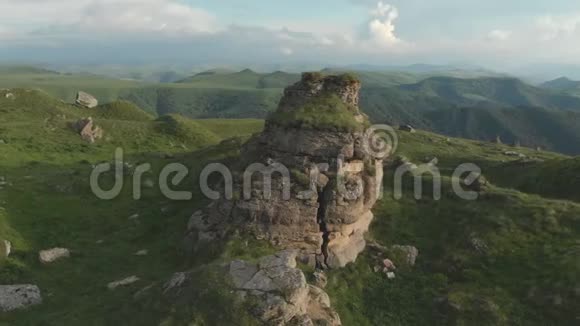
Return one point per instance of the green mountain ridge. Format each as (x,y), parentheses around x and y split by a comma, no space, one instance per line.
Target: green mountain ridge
(562,84)
(492,92)
(387,97)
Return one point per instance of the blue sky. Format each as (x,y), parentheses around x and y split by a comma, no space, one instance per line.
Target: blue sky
(491,32)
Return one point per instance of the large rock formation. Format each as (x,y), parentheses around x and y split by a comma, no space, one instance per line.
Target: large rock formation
(324,179)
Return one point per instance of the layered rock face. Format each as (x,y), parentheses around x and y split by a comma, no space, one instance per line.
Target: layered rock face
(280,290)
(324,182)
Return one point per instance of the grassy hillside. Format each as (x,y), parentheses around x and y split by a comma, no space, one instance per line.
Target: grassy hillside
(65,86)
(492,92)
(531,177)
(509,258)
(531,127)
(47,202)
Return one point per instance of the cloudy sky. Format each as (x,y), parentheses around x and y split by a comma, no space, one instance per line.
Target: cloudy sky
(490,32)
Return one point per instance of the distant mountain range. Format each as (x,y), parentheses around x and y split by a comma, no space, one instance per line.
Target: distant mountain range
(475,106)
(562,84)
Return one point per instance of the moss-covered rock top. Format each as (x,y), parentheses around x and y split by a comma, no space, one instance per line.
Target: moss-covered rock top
(328,113)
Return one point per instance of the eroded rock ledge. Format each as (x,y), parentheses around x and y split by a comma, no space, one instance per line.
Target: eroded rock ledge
(283,296)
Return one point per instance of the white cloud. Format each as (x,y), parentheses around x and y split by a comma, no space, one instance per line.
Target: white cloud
(551,27)
(105,16)
(499,35)
(381,28)
(286,51)
(145,16)
(141,28)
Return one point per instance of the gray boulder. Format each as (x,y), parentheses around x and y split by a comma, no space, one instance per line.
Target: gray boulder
(124,282)
(86,100)
(280,290)
(51,255)
(409,253)
(13,297)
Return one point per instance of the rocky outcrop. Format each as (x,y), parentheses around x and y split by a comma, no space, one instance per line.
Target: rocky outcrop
(315,85)
(88,130)
(13,297)
(86,100)
(280,292)
(324,180)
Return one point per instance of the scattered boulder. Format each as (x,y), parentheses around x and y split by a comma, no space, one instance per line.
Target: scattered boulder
(391,275)
(478,244)
(51,255)
(407,128)
(176,281)
(124,282)
(88,130)
(516,154)
(13,297)
(281,293)
(409,253)
(143,252)
(10,96)
(479,184)
(5,248)
(86,100)
(389,265)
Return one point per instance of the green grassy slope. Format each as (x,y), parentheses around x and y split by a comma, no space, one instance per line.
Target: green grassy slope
(531,127)
(65,86)
(531,177)
(525,275)
(47,202)
(509,258)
